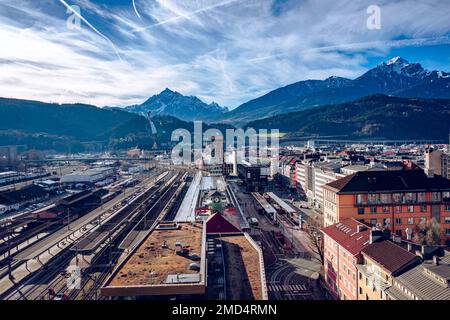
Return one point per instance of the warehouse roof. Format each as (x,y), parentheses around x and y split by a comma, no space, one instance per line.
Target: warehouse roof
(24,194)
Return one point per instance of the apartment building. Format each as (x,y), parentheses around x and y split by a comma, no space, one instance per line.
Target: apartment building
(397,200)
(343,243)
(381,262)
(324,173)
(312,176)
(438,162)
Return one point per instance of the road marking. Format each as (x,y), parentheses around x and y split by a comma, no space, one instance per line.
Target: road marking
(290,287)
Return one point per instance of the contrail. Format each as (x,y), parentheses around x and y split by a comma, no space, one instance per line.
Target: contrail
(418,42)
(204,9)
(135,9)
(92,27)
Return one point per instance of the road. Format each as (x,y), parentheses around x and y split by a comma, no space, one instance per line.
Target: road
(291,268)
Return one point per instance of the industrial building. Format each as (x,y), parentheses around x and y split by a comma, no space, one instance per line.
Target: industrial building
(9,176)
(14,199)
(89,176)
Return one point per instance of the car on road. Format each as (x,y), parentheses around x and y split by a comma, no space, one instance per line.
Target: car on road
(253,222)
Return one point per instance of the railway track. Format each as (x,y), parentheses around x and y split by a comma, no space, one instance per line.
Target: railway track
(103,261)
(93,278)
(31,287)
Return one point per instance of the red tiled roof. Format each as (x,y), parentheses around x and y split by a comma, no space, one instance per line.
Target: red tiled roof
(345,233)
(390,256)
(217,224)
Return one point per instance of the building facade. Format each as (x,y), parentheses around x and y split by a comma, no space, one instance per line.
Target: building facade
(382,261)
(397,200)
(343,243)
(438,162)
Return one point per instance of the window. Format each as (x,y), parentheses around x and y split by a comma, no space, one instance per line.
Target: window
(447,207)
(373,221)
(373,198)
(373,210)
(360,210)
(385,198)
(421,197)
(385,209)
(360,198)
(397,197)
(360,290)
(447,220)
(423,220)
(398,209)
(410,220)
(410,197)
(398,221)
(436,196)
(447,232)
(398,232)
(411,209)
(423,208)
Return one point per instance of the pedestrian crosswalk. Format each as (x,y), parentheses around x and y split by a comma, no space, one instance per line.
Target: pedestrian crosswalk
(287,287)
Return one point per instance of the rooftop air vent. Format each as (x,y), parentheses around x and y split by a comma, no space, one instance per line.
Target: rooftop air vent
(194,266)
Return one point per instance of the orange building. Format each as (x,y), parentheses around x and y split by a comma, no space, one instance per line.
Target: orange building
(397,200)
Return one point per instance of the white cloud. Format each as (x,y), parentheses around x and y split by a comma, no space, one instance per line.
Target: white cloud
(220,50)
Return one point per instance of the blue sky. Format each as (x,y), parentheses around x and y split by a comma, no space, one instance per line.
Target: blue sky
(228,51)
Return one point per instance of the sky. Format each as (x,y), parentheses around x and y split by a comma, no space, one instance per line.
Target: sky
(120,52)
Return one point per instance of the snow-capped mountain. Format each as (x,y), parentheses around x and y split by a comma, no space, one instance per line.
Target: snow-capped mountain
(172,103)
(395,77)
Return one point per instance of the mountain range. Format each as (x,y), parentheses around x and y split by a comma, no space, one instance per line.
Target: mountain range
(394,100)
(71,127)
(174,104)
(377,116)
(396,77)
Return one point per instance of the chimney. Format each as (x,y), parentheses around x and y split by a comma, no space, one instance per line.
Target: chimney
(375,235)
(408,234)
(429,173)
(360,228)
(436,260)
(409,246)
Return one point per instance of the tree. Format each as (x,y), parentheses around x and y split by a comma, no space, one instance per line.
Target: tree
(315,239)
(429,233)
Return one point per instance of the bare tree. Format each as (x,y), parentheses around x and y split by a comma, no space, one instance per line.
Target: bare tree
(315,239)
(429,233)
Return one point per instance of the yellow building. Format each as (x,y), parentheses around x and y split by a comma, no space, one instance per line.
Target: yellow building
(381,262)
